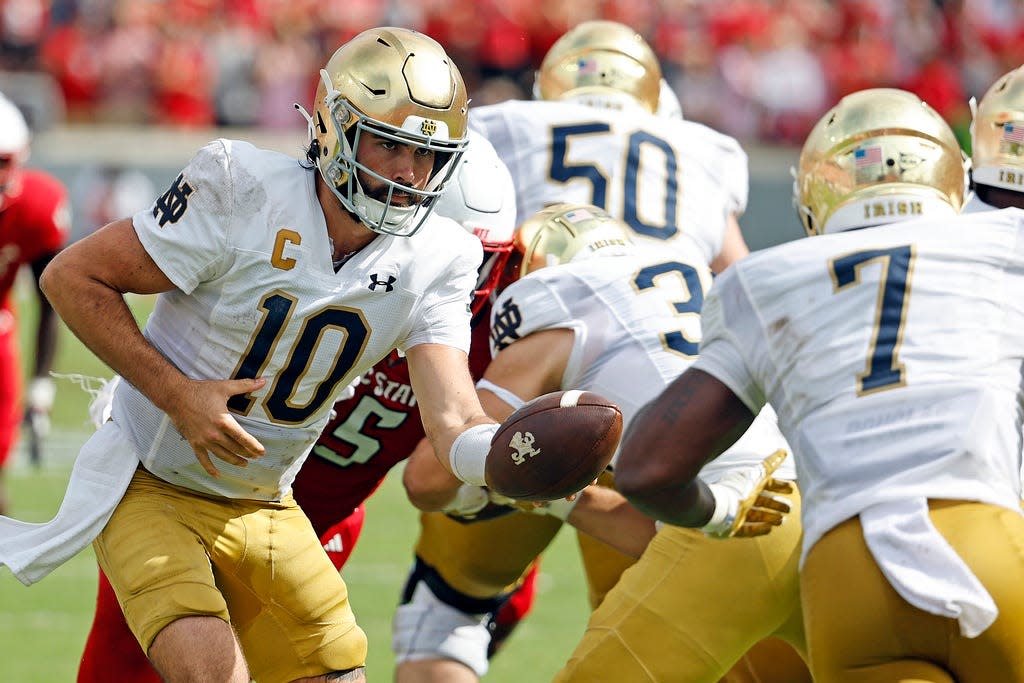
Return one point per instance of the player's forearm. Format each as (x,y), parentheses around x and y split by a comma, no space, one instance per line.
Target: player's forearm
(691,505)
(46,329)
(429,486)
(606,515)
(670,439)
(100,317)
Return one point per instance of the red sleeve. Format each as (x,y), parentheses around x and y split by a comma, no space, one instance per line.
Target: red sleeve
(44,214)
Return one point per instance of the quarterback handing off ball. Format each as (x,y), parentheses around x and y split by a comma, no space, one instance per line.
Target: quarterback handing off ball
(553,446)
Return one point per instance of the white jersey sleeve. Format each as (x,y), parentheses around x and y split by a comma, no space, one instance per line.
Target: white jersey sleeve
(170,223)
(526,306)
(892,355)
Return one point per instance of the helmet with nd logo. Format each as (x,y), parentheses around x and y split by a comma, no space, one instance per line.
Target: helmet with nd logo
(400,85)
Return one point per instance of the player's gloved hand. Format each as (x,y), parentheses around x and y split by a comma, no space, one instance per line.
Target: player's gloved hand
(38,403)
(748,501)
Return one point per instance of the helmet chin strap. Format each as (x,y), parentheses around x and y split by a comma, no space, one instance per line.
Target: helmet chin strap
(375,214)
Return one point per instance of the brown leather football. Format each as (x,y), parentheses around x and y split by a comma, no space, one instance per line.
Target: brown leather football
(553,446)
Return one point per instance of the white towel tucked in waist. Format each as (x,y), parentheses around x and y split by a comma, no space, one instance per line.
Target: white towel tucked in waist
(101,474)
(923,568)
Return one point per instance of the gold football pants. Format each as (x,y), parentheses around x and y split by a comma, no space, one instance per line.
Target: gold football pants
(690,608)
(859,629)
(171,553)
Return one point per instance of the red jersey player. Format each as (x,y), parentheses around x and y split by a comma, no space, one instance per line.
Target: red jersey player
(34,221)
(373,430)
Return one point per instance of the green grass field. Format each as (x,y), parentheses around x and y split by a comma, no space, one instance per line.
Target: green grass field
(43,627)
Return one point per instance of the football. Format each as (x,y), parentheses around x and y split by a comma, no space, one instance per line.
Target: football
(553,446)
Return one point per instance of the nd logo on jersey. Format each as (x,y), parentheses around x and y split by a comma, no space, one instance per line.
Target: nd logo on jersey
(171,205)
(505,328)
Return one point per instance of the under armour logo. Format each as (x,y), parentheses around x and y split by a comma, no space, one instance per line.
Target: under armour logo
(504,329)
(387,284)
(171,205)
(428,127)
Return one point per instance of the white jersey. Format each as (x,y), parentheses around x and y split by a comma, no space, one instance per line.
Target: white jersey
(893,357)
(669,180)
(975,205)
(636,323)
(242,236)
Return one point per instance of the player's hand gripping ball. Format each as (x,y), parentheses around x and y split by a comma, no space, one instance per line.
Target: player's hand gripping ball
(553,446)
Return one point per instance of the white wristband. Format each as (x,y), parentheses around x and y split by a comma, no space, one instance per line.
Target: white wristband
(501,392)
(726,506)
(468,456)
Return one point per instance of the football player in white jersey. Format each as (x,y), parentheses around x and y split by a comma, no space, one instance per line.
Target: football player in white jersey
(618,90)
(596,133)
(598,313)
(278,282)
(997,148)
(892,355)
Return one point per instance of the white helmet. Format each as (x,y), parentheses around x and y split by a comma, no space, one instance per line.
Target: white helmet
(669,106)
(14,147)
(482,198)
(14,135)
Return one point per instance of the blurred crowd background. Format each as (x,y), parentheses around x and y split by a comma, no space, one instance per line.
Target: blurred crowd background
(760,70)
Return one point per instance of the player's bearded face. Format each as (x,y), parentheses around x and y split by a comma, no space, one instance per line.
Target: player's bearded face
(404,164)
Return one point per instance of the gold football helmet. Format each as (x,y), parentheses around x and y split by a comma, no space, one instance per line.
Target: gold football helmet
(560,232)
(400,85)
(880,155)
(997,134)
(600,62)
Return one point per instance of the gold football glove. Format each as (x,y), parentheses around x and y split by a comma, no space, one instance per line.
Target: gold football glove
(749,501)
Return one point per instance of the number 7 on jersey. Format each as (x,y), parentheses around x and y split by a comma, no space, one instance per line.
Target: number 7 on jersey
(883,370)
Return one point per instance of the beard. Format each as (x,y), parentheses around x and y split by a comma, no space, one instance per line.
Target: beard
(379,192)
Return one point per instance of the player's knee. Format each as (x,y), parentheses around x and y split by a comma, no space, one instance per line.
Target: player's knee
(435,621)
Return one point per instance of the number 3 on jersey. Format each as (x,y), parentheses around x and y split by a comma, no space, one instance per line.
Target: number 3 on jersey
(883,370)
(563,169)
